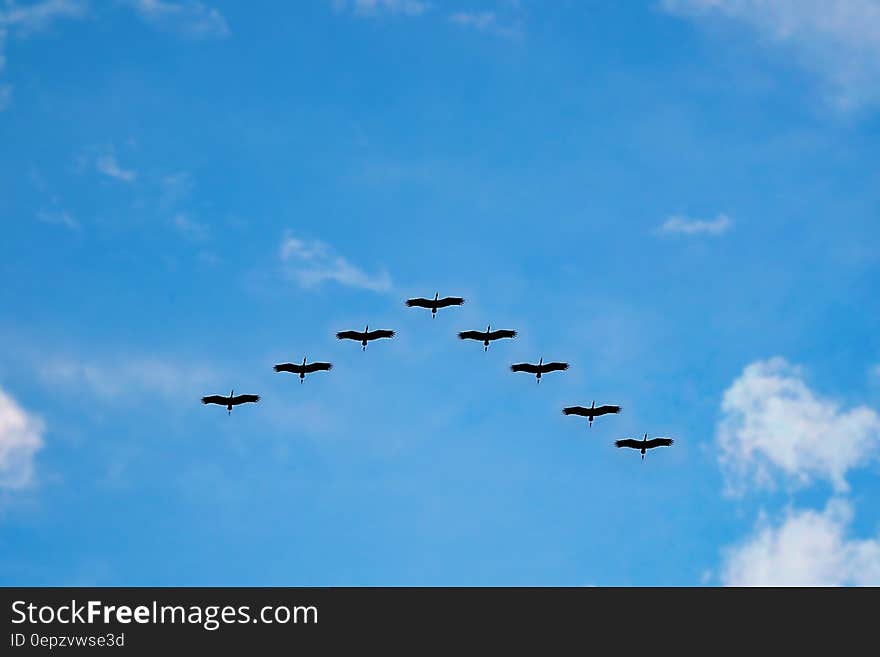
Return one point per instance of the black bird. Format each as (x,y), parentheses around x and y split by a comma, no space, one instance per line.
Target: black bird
(303,369)
(365,336)
(434,303)
(591,412)
(539,369)
(487,336)
(231,400)
(644,444)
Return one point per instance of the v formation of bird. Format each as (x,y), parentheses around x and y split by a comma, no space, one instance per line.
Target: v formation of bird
(486,337)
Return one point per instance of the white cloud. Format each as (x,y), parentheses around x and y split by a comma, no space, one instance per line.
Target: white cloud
(59,218)
(479,20)
(25,19)
(837,39)
(190,228)
(484,21)
(127,379)
(807,548)
(108,165)
(175,187)
(312,263)
(685,226)
(773,424)
(375,7)
(21,437)
(189,17)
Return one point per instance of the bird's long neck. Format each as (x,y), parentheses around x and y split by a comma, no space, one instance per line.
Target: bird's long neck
(304,361)
(436,296)
(594,404)
(232,393)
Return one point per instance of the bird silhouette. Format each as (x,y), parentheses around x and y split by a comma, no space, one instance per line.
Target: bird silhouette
(487,336)
(435,303)
(644,444)
(539,369)
(365,336)
(231,400)
(591,412)
(303,369)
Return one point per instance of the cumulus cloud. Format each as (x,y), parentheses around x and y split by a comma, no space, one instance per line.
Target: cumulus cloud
(685,226)
(807,548)
(312,263)
(773,425)
(376,7)
(21,437)
(108,165)
(839,40)
(189,18)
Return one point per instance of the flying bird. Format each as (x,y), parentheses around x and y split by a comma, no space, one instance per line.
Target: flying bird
(644,444)
(539,369)
(434,303)
(231,400)
(303,369)
(591,412)
(365,336)
(487,336)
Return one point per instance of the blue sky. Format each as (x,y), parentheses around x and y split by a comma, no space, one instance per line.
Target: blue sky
(679,198)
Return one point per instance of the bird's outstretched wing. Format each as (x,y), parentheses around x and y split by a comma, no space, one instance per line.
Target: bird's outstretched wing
(554,367)
(380,333)
(576,410)
(605,409)
(349,335)
(658,442)
(445,302)
(472,335)
(215,399)
(419,302)
(317,367)
(244,399)
(294,368)
(629,442)
(524,367)
(502,333)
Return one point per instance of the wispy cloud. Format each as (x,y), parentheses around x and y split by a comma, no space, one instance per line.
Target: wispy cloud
(312,263)
(188,18)
(126,379)
(190,228)
(839,40)
(377,7)
(685,226)
(58,218)
(807,548)
(174,188)
(21,437)
(485,21)
(24,20)
(108,165)
(773,424)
